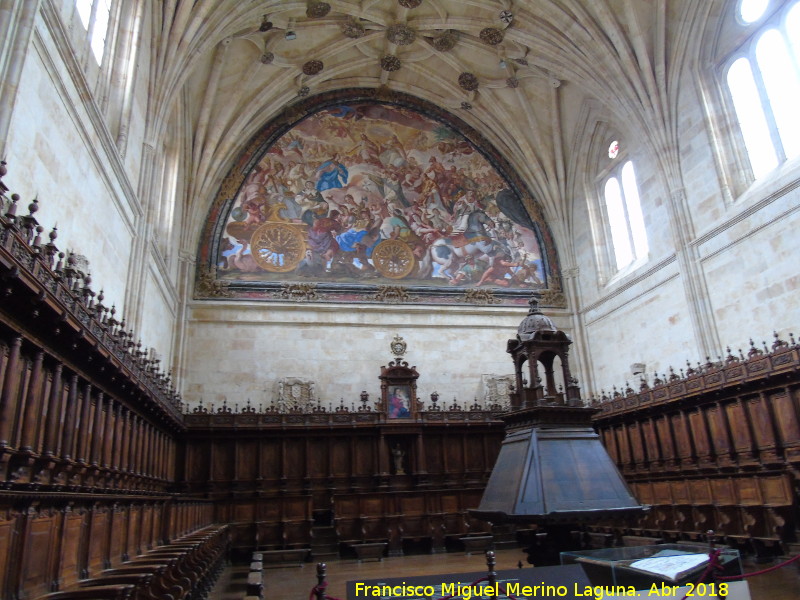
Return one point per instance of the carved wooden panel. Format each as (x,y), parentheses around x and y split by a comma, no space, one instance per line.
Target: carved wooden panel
(748,491)
(719,432)
(680,492)
(622,445)
(294,458)
(148,541)
(474,458)
(700,490)
(39,543)
(222,462)
(777,490)
(271,458)
(118,534)
(246,459)
(7,526)
(682,439)
(699,435)
(651,441)
(364,463)
(433,454)
(738,422)
(340,457)
(788,425)
(665,436)
(72,546)
(761,422)
(98,540)
(244,511)
(134,525)
(198,461)
(662,493)
(723,491)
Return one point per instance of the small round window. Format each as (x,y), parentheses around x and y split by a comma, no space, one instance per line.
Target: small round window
(613,149)
(751,11)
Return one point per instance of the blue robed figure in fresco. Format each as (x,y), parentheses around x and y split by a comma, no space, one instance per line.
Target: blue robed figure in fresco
(332,174)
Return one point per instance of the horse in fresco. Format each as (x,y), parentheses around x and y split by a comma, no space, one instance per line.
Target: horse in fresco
(475,240)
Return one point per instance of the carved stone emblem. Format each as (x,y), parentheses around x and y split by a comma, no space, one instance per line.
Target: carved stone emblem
(468,82)
(312,67)
(390,63)
(400,34)
(398,346)
(445,41)
(317,10)
(352,29)
(295,393)
(491,36)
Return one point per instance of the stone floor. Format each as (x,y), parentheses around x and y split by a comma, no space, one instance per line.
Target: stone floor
(295,583)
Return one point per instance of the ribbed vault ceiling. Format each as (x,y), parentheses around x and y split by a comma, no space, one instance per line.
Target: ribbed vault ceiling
(220,76)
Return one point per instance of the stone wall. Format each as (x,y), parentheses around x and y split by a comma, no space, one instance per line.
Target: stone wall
(236,352)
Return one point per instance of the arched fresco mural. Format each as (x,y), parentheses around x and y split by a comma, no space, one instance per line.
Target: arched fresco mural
(361,195)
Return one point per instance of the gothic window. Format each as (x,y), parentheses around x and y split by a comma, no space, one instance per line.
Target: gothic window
(763,80)
(95,16)
(625,221)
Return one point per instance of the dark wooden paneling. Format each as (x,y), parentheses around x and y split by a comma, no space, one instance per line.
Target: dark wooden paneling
(729,442)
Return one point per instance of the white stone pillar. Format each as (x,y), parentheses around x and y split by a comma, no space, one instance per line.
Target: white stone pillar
(16,28)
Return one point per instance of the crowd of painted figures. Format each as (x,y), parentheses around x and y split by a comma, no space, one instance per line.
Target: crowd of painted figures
(346,189)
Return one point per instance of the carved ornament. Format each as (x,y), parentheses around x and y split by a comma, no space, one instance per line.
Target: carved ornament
(298,291)
(392,294)
(480,296)
(208,286)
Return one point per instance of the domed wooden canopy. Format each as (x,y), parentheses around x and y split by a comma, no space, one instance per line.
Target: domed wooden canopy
(552,467)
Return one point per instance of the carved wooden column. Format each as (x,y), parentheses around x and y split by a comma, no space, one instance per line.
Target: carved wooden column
(50,444)
(85,426)
(70,419)
(142,424)
(97,432)
(148,454)
(108,436)
(134,435)
(33,406)
(159,466)
(8,398)
(124,462)
(117,445)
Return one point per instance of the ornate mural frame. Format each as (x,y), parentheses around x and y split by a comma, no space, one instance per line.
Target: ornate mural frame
(209,286)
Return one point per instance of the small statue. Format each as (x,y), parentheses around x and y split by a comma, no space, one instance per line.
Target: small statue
(398,454)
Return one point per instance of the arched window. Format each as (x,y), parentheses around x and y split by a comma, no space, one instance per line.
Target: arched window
(764,83)
(95,15)
(625,219)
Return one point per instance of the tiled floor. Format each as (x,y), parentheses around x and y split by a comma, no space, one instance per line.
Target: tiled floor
(295,583)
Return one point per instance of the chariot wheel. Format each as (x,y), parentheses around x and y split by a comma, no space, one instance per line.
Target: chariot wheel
(393,259)
(278,247)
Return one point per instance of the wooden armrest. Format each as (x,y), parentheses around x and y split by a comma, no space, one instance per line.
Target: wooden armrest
(101,592)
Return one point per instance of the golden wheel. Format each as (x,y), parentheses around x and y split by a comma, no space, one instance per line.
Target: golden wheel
(278,247)
(393,259)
